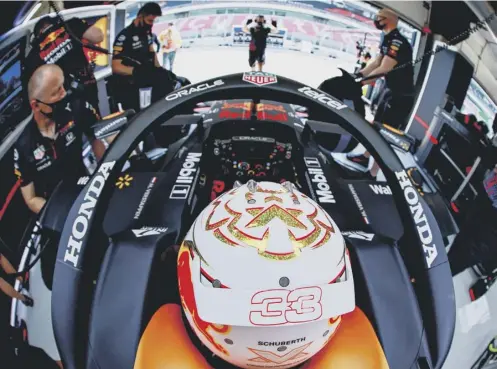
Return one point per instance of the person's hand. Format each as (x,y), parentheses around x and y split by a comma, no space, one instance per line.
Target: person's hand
(26,300)
(144,74)
(357,75)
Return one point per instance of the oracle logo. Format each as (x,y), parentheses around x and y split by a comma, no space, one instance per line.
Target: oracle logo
(279,307)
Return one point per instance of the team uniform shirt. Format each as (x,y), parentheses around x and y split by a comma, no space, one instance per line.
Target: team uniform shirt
(134,42)
(396,46)
(58,47)
(45,161)
(259,37)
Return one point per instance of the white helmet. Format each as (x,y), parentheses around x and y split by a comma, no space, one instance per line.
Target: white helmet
(264,276)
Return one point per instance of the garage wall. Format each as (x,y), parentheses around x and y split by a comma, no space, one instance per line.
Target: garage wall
(479,53)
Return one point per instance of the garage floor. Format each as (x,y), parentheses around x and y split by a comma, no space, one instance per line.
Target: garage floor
(476,321)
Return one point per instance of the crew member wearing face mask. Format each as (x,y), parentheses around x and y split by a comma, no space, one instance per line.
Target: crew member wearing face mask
(135,63)
(397,99)
(54,43)
(50,147)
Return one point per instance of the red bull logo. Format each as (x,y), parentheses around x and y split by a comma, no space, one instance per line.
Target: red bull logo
(53,47)
(189,303)
(52,37)
(270,107)
(244,106)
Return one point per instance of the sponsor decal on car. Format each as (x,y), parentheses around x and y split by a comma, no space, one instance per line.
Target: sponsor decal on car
(145,196)
(322,97)
(380,190)
(260,78)
(104,131)
(319,181)
(85,212)
(242,105)
(271,107)
(148,231)
(397,141)
(186,177)
(423,226)
(124,181)
(360,235)
(82,181)
(359,203)
(187,91)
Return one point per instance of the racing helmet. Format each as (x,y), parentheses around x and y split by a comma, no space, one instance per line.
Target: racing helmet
(264,276)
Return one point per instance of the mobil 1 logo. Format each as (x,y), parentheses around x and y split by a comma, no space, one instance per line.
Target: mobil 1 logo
(186,177)
(319,182)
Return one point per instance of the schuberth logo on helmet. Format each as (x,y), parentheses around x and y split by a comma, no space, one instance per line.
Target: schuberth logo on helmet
(260,78)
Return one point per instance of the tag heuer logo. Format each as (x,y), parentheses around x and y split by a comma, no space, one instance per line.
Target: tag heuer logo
(39,153)
(260,78)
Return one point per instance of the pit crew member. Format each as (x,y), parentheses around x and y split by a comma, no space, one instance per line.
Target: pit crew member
(211,270)
(54,44)
(397,101)
(135,64)
(259,32)
(50,147)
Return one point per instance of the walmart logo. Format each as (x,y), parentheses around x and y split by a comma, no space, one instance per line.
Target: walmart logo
(123,182)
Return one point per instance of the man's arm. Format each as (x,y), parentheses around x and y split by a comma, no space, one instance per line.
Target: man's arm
(117,52)
(119,68)
(366,71)
(156,59)
(273,27)
(90,118)
(94,35)
(387,64)
(23,170)
(246,26)
(34,203)
(7,266)
(81,30)
(98,148)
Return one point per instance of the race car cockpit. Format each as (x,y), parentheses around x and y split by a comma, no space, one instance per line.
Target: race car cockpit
(112,274)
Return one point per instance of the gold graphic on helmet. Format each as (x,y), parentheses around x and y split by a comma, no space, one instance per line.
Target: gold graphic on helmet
(266,357)
(304,230)
(273,198)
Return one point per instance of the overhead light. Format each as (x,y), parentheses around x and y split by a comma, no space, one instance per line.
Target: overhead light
(32,12)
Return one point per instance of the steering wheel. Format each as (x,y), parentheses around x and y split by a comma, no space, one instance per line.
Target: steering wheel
(71,276)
